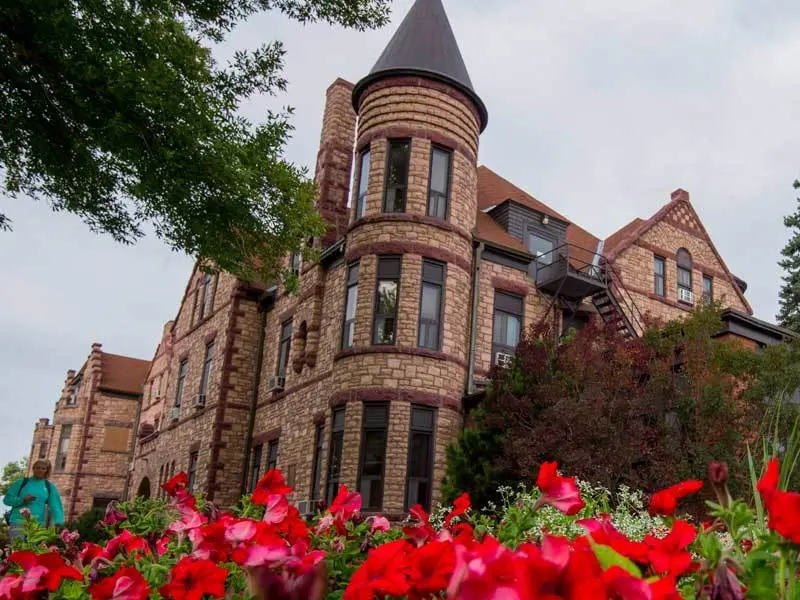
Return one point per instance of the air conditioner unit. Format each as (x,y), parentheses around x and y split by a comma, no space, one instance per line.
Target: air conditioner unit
(176,413)
(199,401)
(276,383)
(685,295)
(503,360)
(305,507)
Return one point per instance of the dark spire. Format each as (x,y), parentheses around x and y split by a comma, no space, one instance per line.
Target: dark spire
(424,45)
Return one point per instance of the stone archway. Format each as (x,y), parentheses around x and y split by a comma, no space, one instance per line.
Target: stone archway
(144,488)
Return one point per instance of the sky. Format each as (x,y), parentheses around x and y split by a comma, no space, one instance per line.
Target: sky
(599,109)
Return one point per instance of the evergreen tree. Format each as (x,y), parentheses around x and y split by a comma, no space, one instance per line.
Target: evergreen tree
(789,315)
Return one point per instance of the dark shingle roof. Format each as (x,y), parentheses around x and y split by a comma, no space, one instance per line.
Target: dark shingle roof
(424,45)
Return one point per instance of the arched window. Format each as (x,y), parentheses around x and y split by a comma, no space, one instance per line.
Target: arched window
(144,488)
(684,260)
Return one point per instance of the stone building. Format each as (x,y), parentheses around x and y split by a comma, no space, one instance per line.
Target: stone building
(430,268)
(89,442)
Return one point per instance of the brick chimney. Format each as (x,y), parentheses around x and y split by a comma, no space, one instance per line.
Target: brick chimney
(335,159)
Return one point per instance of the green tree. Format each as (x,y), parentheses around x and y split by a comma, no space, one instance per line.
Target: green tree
(116,111)
(11,472)
(789,315)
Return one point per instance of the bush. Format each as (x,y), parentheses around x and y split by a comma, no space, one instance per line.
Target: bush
(88,525)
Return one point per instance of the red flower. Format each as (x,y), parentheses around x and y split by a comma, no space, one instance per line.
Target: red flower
(422,531)
(271,484)
(383,573)
(665,502)
(125,542)
(460,506)
(11,587)
(432,566)
(191,579)
(177,484)
(43,571)
(346,504)
(125,584)
(557,491)
(669,555)
(89,552)
(783,507)
(602,531)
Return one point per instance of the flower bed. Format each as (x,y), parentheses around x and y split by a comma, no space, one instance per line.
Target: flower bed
(546,544)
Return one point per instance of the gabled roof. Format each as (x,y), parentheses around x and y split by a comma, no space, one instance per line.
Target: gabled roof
(624,238)
(494,189)
(424,45)
(488,230)
(123,373)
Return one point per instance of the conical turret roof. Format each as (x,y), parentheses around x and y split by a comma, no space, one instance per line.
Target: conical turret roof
(424,45)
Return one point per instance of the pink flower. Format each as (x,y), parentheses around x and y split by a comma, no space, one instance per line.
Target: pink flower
(380,523)
(240,531)
(277,507)
(557,491)
(346,504)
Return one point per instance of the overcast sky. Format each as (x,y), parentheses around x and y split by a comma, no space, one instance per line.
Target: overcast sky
(599,109)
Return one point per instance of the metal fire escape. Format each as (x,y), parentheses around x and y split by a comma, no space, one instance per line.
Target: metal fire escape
(571,273)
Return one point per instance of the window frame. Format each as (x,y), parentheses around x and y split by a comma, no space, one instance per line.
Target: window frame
(272,454)
(362,455)
(255,466)
(448,181)
(191,470)
(180,382)
(205,376)
(356,265)
(296,263)
(361,199)
(426,504)
(657,259)
(319,449)
(284,338)
(536,233)
(389,144)
(440,313)
(42,450)
(375,314)
(335,452)
(72,399)
(520,316)
(708,296)
(206,299)
(62,450)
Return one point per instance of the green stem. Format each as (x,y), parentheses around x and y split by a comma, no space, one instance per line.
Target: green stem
(782,583)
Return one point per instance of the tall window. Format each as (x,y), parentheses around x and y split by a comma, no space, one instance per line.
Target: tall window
(284,347)
(708,288)
(430,304)
(159,491)
(659,274)
(373,455)
(319,433)
(540,247)
(255,466)
(206,369)
(153,390)
(363,182)
(272,454)
(43,450)
(192,471)
(207,296)
(296,261)
(507,324)
(350,303)
(684,260)
(420,457)
(72,399)
(386,298)
(63,447)
(335,456)
(181,381)
(394,199)
(439,182)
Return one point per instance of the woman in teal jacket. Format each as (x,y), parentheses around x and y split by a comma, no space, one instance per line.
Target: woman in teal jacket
(36,494)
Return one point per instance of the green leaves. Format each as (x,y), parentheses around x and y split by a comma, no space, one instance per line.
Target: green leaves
(608,557)
(116,112)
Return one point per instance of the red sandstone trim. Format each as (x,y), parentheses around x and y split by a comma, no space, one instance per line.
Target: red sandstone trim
(509,285)
(319,418)
(662,299)
(407,350)
(195,447)
(408,248)
(409,218)
(267,436)
(210,337)
(395,395)
(410,81)
(286,315)
(436,137)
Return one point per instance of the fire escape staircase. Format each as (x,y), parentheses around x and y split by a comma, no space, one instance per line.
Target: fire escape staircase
(571,273)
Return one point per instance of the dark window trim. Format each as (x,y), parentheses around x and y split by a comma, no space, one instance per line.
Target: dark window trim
(448,191)
(442,286)
(376,301)
(357,214)
(256,454)
(347,286)
(362,454)
(192,470)
(180,382)
(521,317)
(296,269)
(431,460)
(206,284)
(663,261)
(205,376)
(330,494)
(539,231)
(389,143)
(278,371)
(710,279)
(272,461)
(319,449)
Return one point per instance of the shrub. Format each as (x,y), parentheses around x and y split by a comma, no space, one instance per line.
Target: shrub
(88,525)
